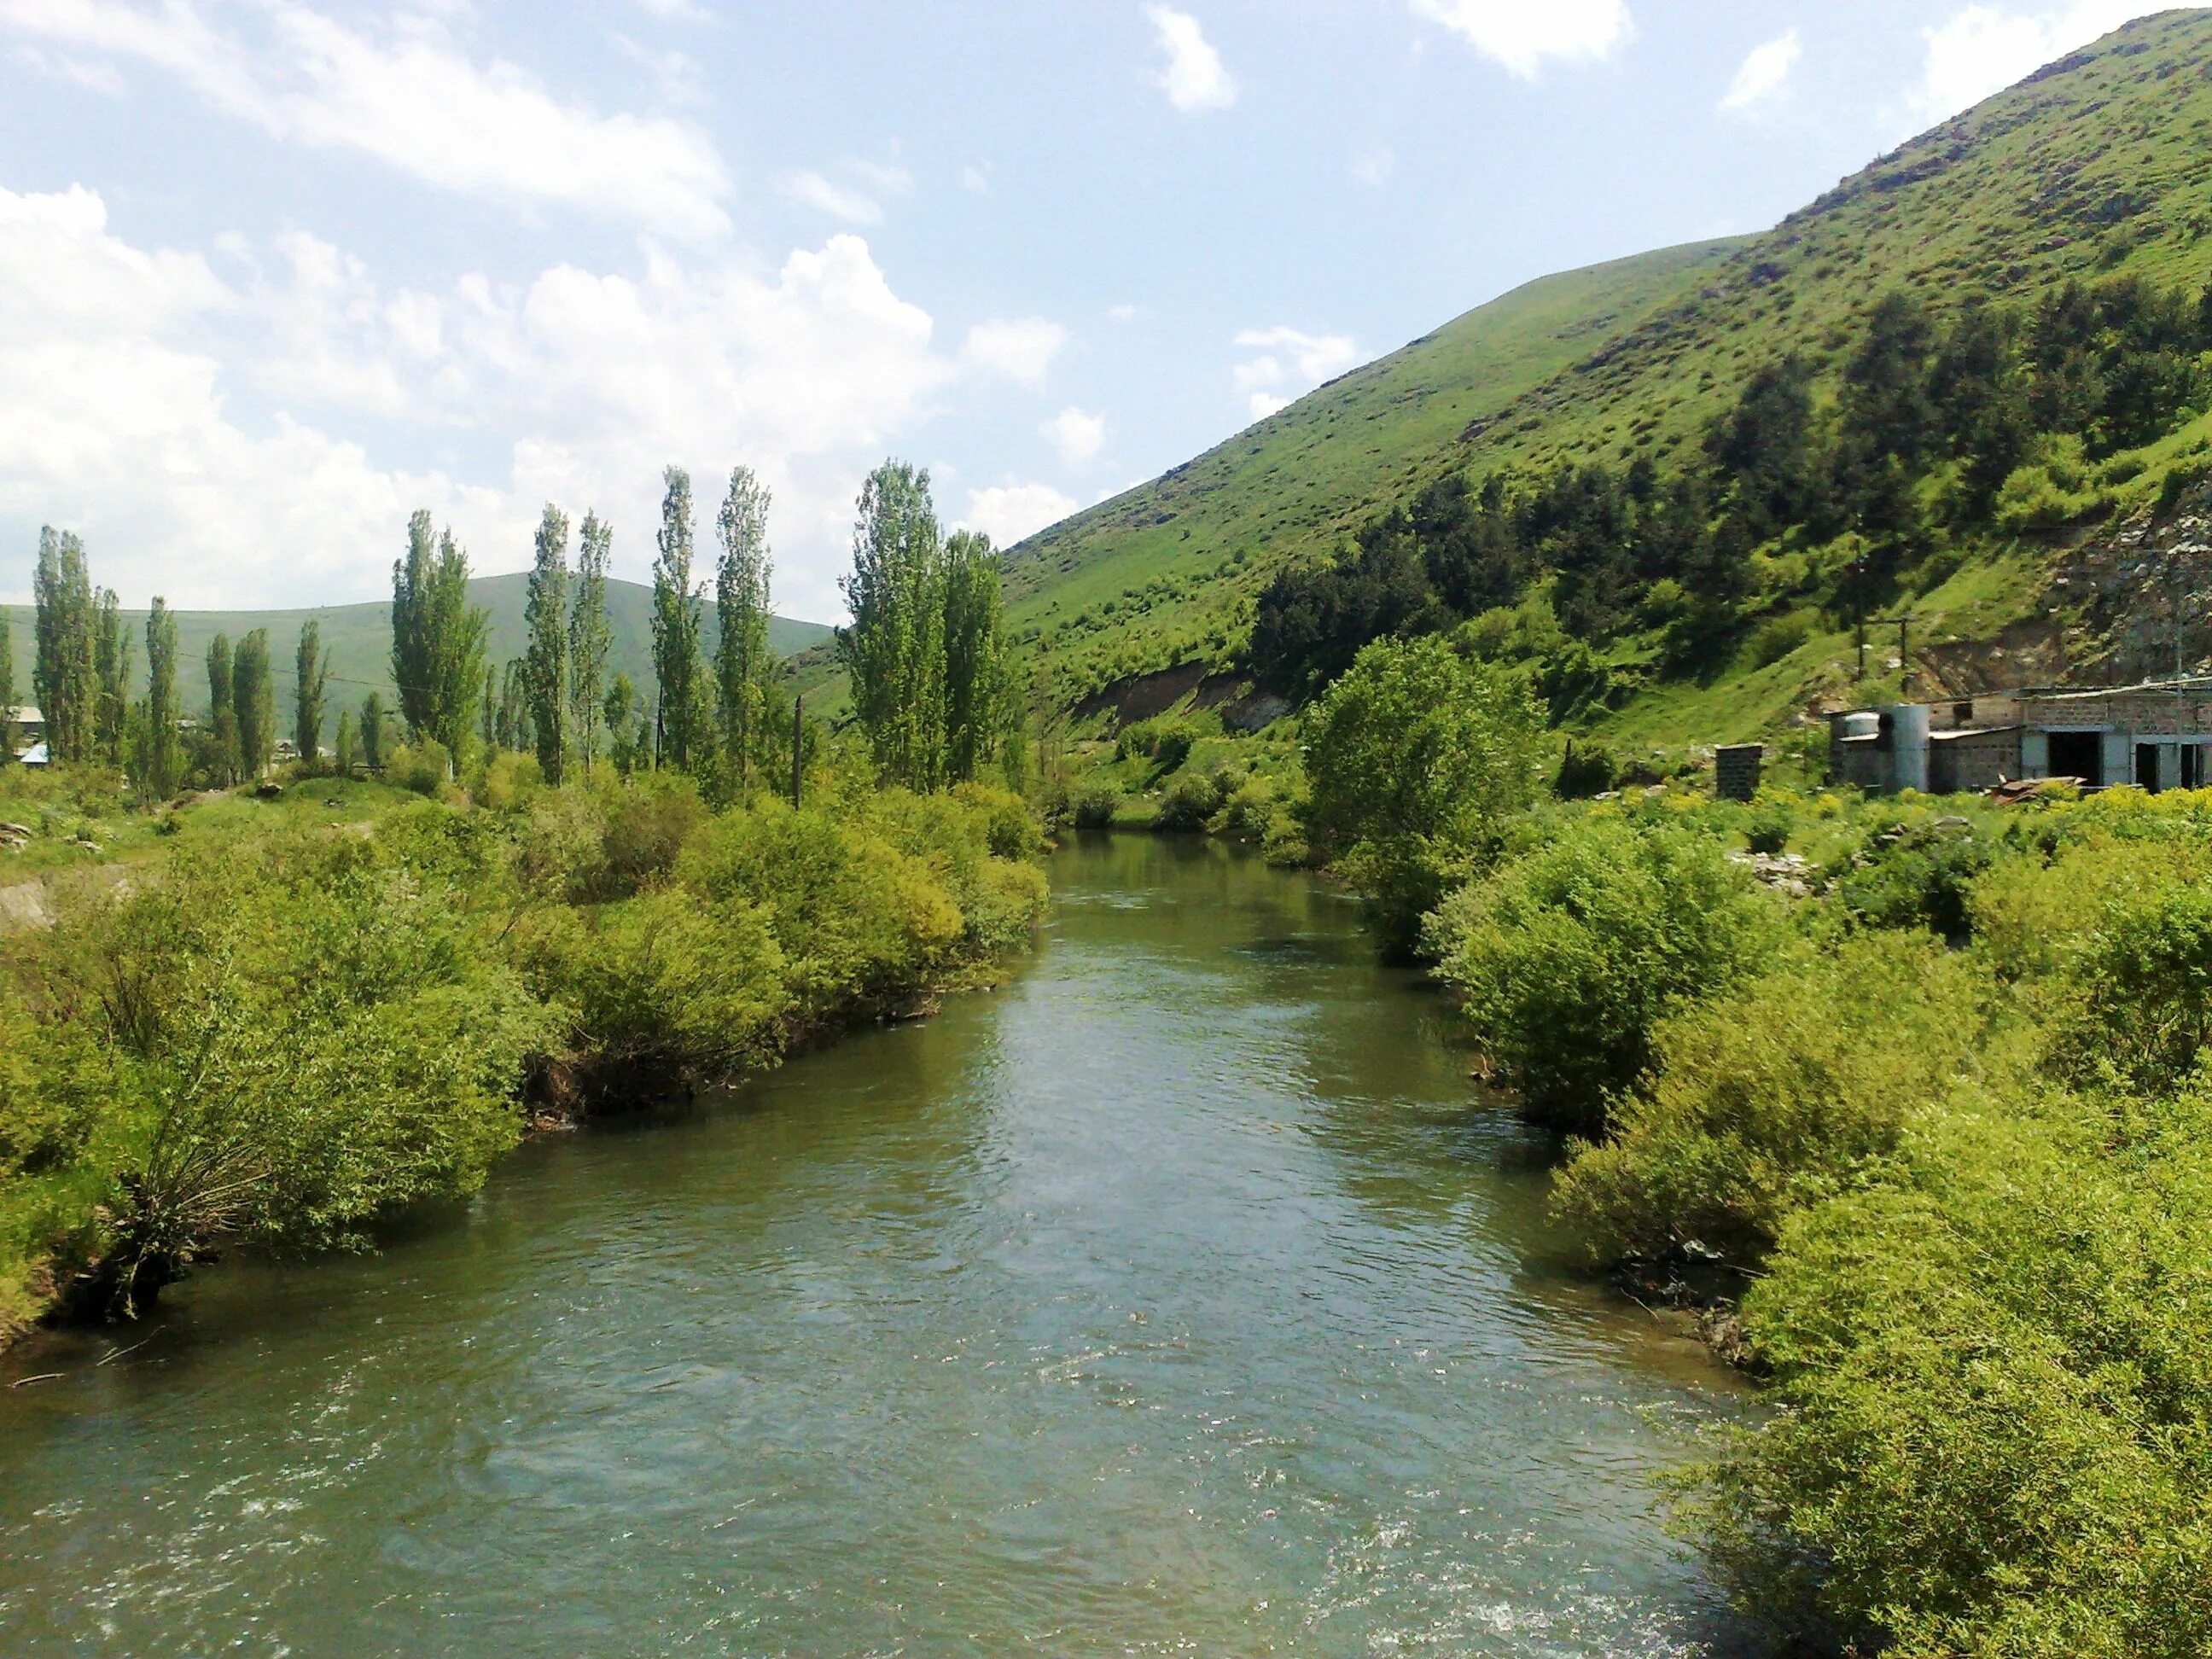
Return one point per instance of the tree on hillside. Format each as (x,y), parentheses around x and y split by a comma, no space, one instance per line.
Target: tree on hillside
(223,761)
(253,699)
(110,670)
(438,638)
(676,630)
(372,717)
(742,665)
(590,638)
(511,720)
(976,687)
(626,744)
(488,727)
(894,651)
(161,766)
(314,668)
(344,743)
(545,661)
(63,673)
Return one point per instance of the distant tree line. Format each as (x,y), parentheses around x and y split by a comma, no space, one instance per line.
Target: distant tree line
(1925,428)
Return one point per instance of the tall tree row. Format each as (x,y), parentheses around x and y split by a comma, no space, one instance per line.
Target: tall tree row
(590,638)
(111,668)
(545,661)
(8,729)
(65,674)
(925,651)
(676,664)
(312,667)
(159,767)
(253,697)
(438,638)
(223,763)
(743,666)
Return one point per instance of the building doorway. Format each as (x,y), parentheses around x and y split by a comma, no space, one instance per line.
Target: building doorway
(2147,766)
(2079,755)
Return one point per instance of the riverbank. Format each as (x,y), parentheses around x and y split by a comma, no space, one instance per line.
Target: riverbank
(289,1019)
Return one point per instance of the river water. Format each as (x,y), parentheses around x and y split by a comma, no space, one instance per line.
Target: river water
(1170,1299)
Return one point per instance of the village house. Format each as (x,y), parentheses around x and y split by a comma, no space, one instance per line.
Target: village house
(2154,735)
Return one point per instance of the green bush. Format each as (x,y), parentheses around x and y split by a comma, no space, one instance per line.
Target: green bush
(1567,958)
(1094,805)
(1190,802)
(1586,768)
(1415,758)
(1914,876)
(1793,1085)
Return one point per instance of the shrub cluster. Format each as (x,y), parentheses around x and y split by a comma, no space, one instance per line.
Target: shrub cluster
(278,1042)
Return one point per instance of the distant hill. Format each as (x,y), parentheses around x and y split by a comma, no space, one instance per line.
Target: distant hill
(2095,166)
(359,639)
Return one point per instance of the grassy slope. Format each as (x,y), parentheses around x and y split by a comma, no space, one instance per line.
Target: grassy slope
(359,639)
(2095,164)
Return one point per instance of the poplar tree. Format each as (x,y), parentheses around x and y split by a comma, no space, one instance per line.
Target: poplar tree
(893,652)
(621,714)
(8,732)
(343,743)
(254,701)
(742,662)
(438,638)
(161,767)
(111,668)
(590,638)
(513,719)
(313,667)
(62,671)
(545,661)
(222,712)
(490,726)
(372,732)
(676,630)
(976,682)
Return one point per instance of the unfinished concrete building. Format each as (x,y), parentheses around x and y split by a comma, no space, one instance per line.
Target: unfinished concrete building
(2153,736)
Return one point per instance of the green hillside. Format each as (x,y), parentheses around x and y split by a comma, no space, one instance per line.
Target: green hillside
(2094,169)
(359,639)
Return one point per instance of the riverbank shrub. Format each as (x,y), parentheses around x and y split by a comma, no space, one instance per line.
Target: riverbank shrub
(1567,958)
(1415,758)
(277,1035)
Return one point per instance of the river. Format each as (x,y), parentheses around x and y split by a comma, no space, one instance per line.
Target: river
(1170,1299)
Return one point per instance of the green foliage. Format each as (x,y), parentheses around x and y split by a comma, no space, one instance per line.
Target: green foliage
(590,638)
(63,674)
(311,676)
(254,704)
(1788,1088)
(742,665)
(1415,757)
(1191,802)
(282,1029)
(1586,768)
(545,664)
(1567,958)
(677,672)
(1914,874)
(1094,805)
(926,654)
(160,763)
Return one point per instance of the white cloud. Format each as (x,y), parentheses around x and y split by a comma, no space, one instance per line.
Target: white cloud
(976,178)
(1984,48)
(1195,77)
(687,11)
(1018,349)
(1524,37)
(1125,313)
(410,98)
(100,77)
(1078,435)
(839,201)
(1010,512)
(182,421)
(1763,77)
(1375,166)
(1291,363)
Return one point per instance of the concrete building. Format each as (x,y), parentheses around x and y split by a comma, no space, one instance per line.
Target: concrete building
(2155,736)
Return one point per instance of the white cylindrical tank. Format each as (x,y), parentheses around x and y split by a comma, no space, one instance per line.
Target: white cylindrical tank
(1908,727)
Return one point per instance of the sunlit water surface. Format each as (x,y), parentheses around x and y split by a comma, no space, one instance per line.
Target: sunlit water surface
(1171,1298)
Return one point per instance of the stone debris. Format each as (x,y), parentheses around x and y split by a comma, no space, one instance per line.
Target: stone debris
(1786,873)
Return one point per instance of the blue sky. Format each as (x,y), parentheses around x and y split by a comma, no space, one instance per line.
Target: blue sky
(275,272)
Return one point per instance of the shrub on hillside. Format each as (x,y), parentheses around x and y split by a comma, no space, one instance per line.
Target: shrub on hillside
(1190,802)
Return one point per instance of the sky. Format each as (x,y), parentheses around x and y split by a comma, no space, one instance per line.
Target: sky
(275,273)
